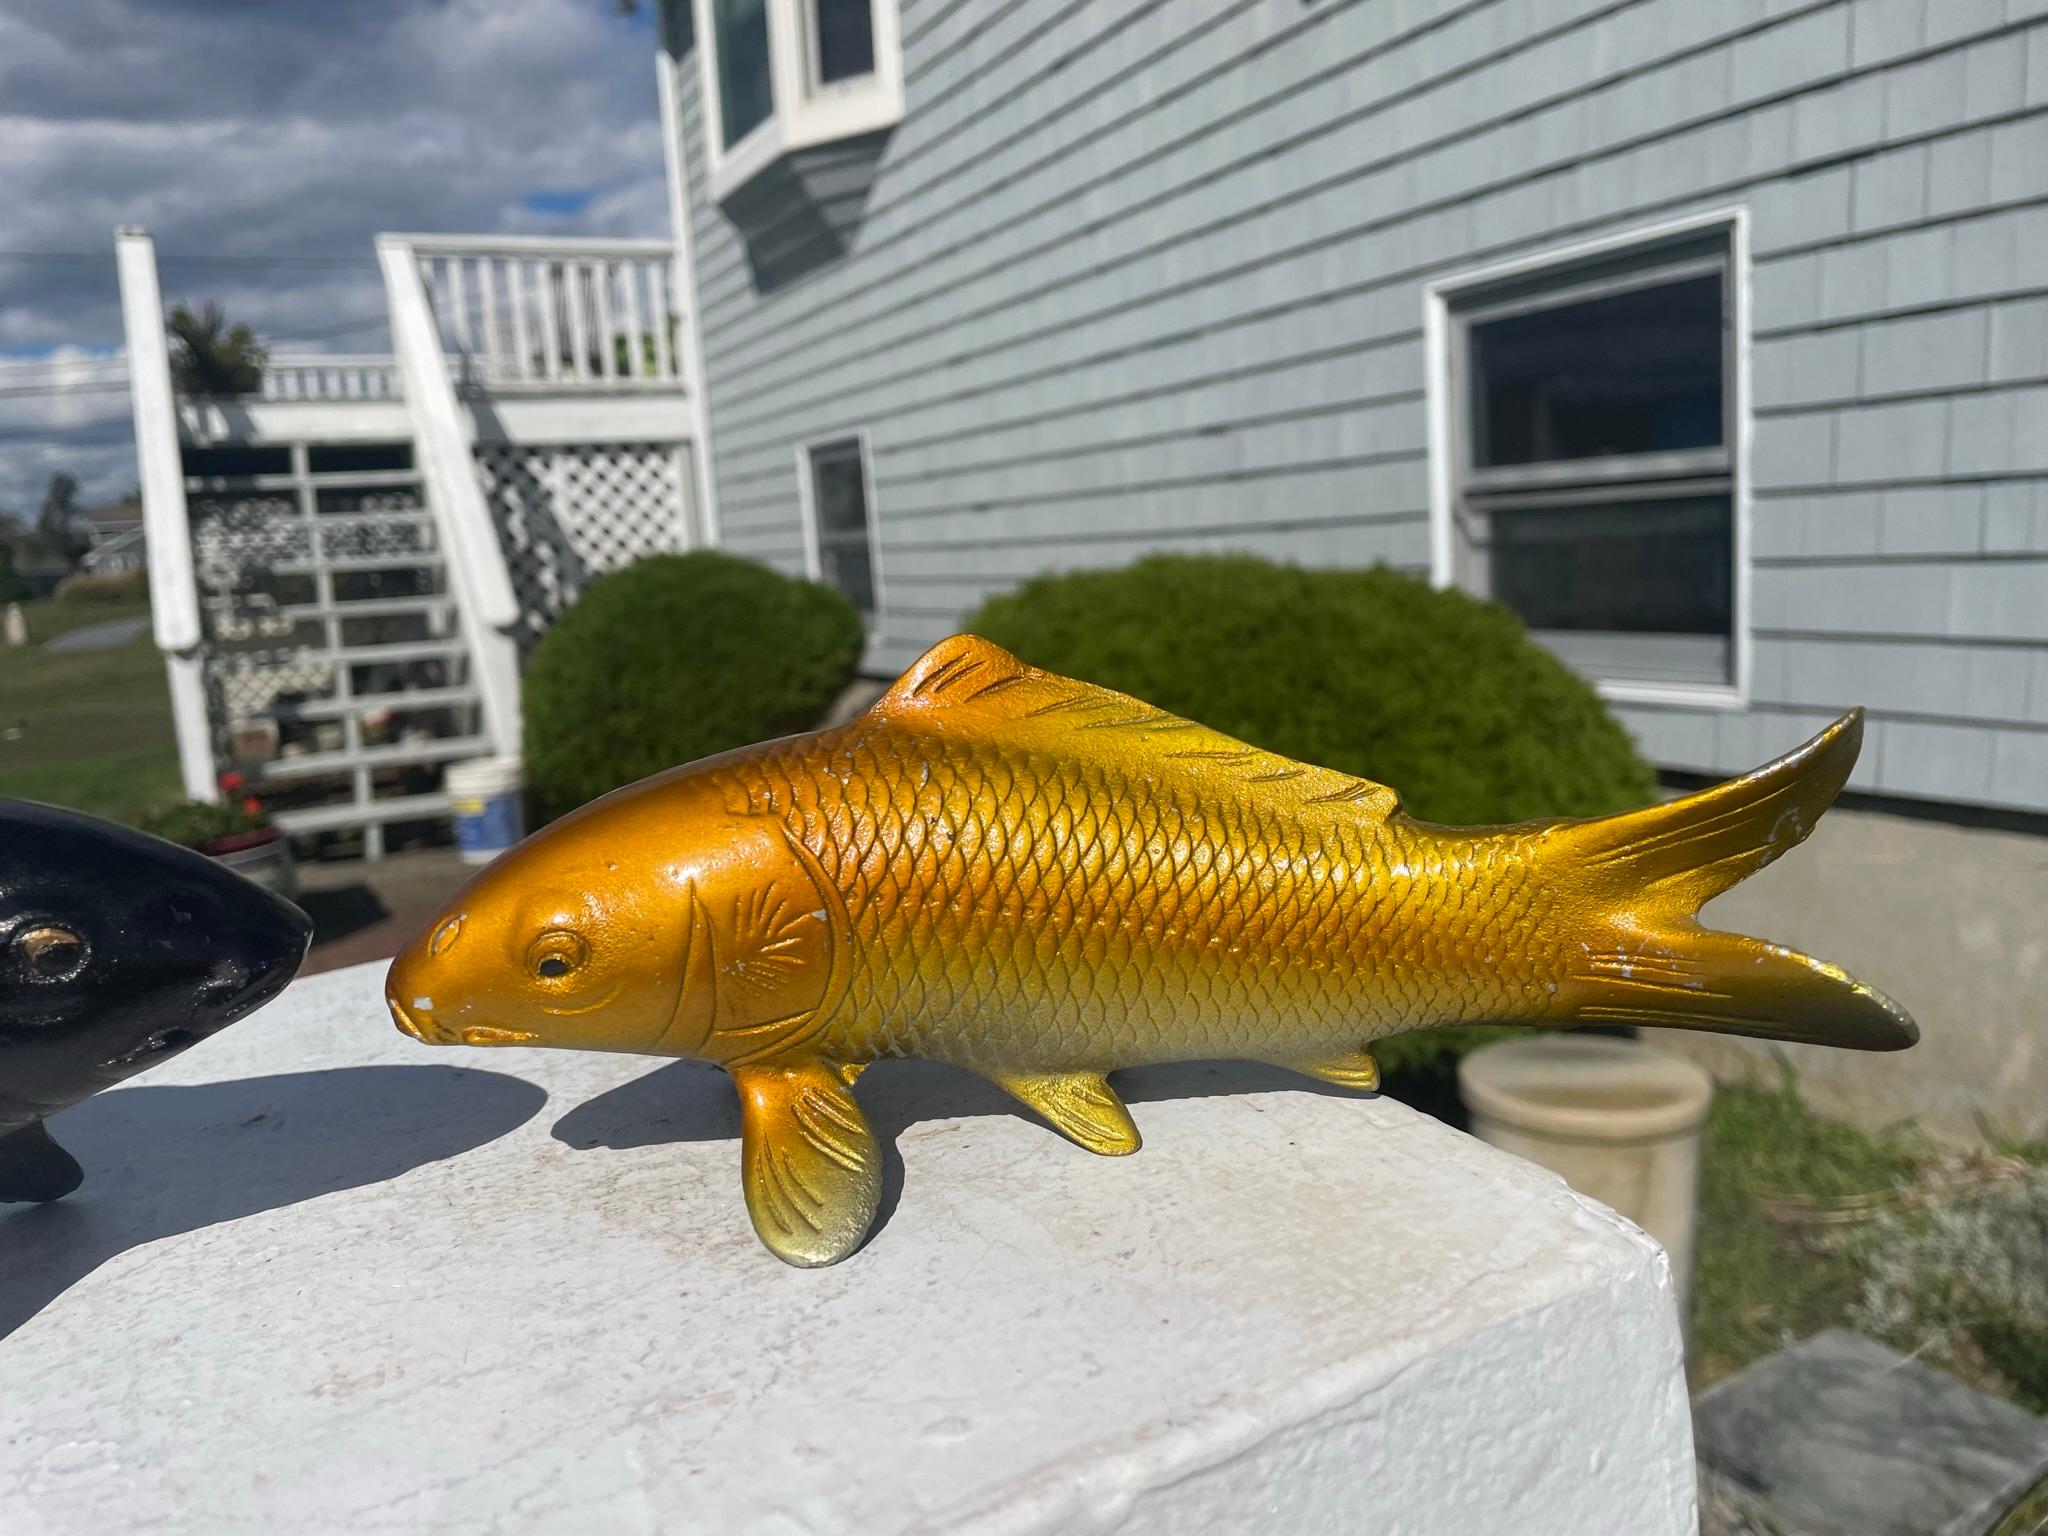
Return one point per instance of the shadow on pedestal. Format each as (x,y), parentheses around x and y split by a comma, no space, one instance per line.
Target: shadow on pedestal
(694,1101)
(164,1160)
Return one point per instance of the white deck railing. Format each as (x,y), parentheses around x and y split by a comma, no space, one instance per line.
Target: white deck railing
(335,376)
(488,609)
(547,313)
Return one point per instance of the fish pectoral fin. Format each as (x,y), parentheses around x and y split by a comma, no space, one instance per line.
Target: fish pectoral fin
(34,1168)
(810,1166)
(1081,1106)
(1356,1070)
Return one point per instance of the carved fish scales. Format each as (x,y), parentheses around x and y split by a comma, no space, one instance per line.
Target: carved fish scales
(1044,881)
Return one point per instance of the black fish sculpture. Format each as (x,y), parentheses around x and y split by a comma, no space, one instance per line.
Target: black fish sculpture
(117,951)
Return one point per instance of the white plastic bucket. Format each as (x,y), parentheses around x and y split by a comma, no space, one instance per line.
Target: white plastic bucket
(1618,1119)
(485,795)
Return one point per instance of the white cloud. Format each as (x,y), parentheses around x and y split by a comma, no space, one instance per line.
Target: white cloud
(289,130)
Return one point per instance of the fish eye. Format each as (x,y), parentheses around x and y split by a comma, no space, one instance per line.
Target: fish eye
(556,954)
(50,953)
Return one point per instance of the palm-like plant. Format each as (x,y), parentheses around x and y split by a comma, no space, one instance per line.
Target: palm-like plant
(211,357)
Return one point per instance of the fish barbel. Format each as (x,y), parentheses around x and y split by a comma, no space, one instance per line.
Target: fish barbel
(1043,881)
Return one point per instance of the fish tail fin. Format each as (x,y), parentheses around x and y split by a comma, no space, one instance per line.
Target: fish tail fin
(34,1168)
(1683,853)
(1648,872)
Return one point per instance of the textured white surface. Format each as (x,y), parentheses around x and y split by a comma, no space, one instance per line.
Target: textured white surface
(322,1278)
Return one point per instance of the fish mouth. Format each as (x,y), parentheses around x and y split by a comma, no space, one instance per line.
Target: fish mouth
(420,1026)
(424,1028)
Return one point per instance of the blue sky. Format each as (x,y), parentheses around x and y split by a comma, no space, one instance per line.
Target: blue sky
(264,143)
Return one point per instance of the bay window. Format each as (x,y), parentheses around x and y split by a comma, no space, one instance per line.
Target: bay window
(779,76)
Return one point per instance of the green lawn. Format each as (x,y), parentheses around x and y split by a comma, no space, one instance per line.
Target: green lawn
(88,729)
(1798,1214)
(1756,1284)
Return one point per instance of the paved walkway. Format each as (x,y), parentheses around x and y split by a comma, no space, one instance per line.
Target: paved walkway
(366,911)
(107,635)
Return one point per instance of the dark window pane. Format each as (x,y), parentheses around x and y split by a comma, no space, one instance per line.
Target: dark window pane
(839,497)
(846,566)
(741,48)
(346,456)
(233,462)
(1640,567)
(841,491)
(1636,372)
(846,39)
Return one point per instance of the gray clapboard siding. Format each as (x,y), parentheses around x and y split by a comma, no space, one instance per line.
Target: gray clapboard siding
(1149,276)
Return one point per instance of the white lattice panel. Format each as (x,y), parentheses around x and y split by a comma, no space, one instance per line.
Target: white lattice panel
(566,514)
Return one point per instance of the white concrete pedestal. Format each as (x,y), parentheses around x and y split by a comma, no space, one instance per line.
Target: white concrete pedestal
(323,1278)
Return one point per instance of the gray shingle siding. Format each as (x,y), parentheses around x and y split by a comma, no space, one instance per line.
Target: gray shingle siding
(1150,276)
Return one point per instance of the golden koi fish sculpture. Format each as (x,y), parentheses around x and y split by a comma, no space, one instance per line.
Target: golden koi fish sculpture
(1043,881)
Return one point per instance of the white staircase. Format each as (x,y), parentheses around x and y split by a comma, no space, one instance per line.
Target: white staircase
(334,663)
(346,565)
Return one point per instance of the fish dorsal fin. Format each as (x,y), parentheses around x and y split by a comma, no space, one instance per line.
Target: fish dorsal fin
(970,687)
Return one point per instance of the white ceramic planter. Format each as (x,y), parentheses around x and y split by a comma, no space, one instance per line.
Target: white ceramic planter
(1618,1119)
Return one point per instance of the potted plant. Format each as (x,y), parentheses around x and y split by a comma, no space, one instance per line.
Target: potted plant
(235,830)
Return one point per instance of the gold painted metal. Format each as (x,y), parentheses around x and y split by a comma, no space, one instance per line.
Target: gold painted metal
(1044,881)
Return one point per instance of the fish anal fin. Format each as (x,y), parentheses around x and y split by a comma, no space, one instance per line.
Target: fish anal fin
(1356,1070)
(1080,1105)
(808,1162)
(974,688)
(34,1168)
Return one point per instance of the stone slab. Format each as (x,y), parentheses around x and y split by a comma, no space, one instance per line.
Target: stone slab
(1841,1436)
(321,1278)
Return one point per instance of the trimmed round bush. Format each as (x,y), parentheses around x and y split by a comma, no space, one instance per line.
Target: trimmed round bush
(1439,695)
(1435,693)
(675,658)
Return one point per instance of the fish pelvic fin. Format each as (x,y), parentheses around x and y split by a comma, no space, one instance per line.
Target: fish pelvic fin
(1650,871)
(34,1169)
(809,1165)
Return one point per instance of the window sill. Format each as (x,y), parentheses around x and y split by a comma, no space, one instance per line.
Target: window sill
(1672,695)
(829,119)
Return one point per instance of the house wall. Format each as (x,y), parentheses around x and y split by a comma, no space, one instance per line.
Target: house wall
(1150,276)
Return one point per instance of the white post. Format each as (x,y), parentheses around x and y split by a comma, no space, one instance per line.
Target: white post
(476,563)
(689,342)
(173,591)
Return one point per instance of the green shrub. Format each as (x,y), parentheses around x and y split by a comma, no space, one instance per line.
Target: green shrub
(121,587)
(195,823)
(1439,695)
(675,658)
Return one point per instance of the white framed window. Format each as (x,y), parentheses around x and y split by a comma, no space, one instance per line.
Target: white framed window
(783,75)
(837,492)
(1589,430)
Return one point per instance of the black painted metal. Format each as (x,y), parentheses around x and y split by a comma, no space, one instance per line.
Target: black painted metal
(117,951)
